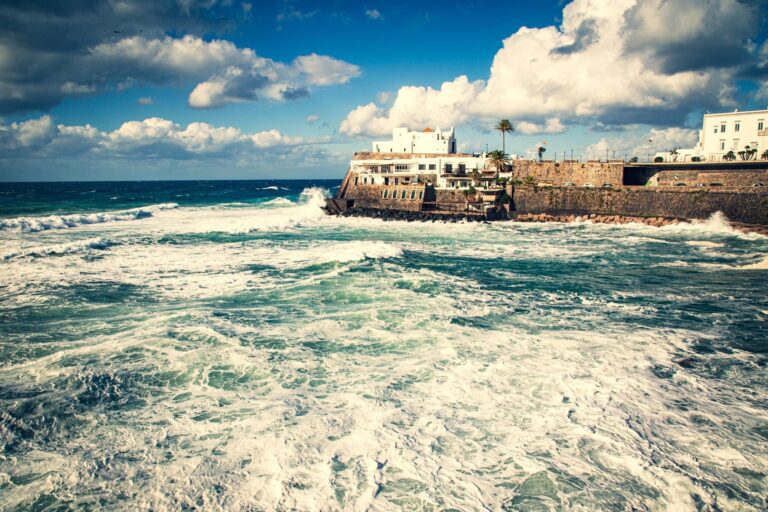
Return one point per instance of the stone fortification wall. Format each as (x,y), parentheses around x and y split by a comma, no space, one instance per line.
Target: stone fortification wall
(641,174)
(579,173)
(749,207)
(727,179)
(443,196)
(386,197)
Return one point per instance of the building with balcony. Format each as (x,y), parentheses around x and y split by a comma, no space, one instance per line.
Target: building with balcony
(427,157)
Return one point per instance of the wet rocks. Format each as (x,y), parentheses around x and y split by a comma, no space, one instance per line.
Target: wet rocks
(411,216)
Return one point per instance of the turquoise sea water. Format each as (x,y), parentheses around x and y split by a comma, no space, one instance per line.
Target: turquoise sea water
(225,346)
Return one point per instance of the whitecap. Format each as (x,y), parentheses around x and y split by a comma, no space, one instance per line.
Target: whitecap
(34,224)
(278,201)
(760,265)
(62,249)
(703,243)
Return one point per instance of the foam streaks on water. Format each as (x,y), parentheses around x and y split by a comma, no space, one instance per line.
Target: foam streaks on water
(266,357)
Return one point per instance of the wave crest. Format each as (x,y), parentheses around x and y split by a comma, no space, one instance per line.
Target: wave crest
(34,224)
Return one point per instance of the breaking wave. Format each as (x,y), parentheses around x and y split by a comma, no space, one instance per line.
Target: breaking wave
(35,224)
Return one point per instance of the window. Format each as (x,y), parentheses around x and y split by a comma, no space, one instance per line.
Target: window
(401,167)
(421,194)
(356,178)
(722,145)
(413,194)
(722,128)
(715,129)
(402,196)
(760,125)
(384,168)
(736,127)
(462,168)
(448,168)
(432,167)
(422,167)
(365,181)
(384,193)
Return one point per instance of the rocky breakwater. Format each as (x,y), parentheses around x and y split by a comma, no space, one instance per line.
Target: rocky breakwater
(623,219)
(411,216)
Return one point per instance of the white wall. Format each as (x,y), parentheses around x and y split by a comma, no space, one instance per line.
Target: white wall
(407,141)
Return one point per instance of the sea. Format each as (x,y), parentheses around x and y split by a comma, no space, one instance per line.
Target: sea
(225,345)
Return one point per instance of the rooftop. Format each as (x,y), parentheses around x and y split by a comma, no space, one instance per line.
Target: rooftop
(371,155)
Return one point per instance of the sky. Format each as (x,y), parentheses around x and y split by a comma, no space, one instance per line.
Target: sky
(227,89)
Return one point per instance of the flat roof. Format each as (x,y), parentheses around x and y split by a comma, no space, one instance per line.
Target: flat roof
(765,111)
(371,155)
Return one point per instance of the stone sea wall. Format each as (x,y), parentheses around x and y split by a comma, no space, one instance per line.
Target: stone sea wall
(578,173)
(705,178)
(385,197)
(748,207)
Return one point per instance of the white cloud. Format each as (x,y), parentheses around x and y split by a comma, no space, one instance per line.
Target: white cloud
(552,125)
(233,74)
(33,132)
(223,73)
(152,137)
(374,14)
(643,144)
(416,107)
(312,118)
(384,97)
(145,100)
(584,68)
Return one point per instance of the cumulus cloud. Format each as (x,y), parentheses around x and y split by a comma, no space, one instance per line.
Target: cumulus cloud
(373,14)
(312,118)
(150,138)
(549,126)
(685,35)
(643,144)
(416,106)
(612,61)
(37,71)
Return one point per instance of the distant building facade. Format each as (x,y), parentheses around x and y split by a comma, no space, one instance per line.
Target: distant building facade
(743,133)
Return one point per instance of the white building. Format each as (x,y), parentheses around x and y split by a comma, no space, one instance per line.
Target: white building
(726,132)
(420,157)
(733,131)
(426,141)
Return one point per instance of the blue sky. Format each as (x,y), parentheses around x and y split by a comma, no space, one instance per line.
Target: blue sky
(172,89)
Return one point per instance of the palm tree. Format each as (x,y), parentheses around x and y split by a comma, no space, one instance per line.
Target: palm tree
(498,160)
(504,126)
(541,151)
(729,156)
(764,156)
